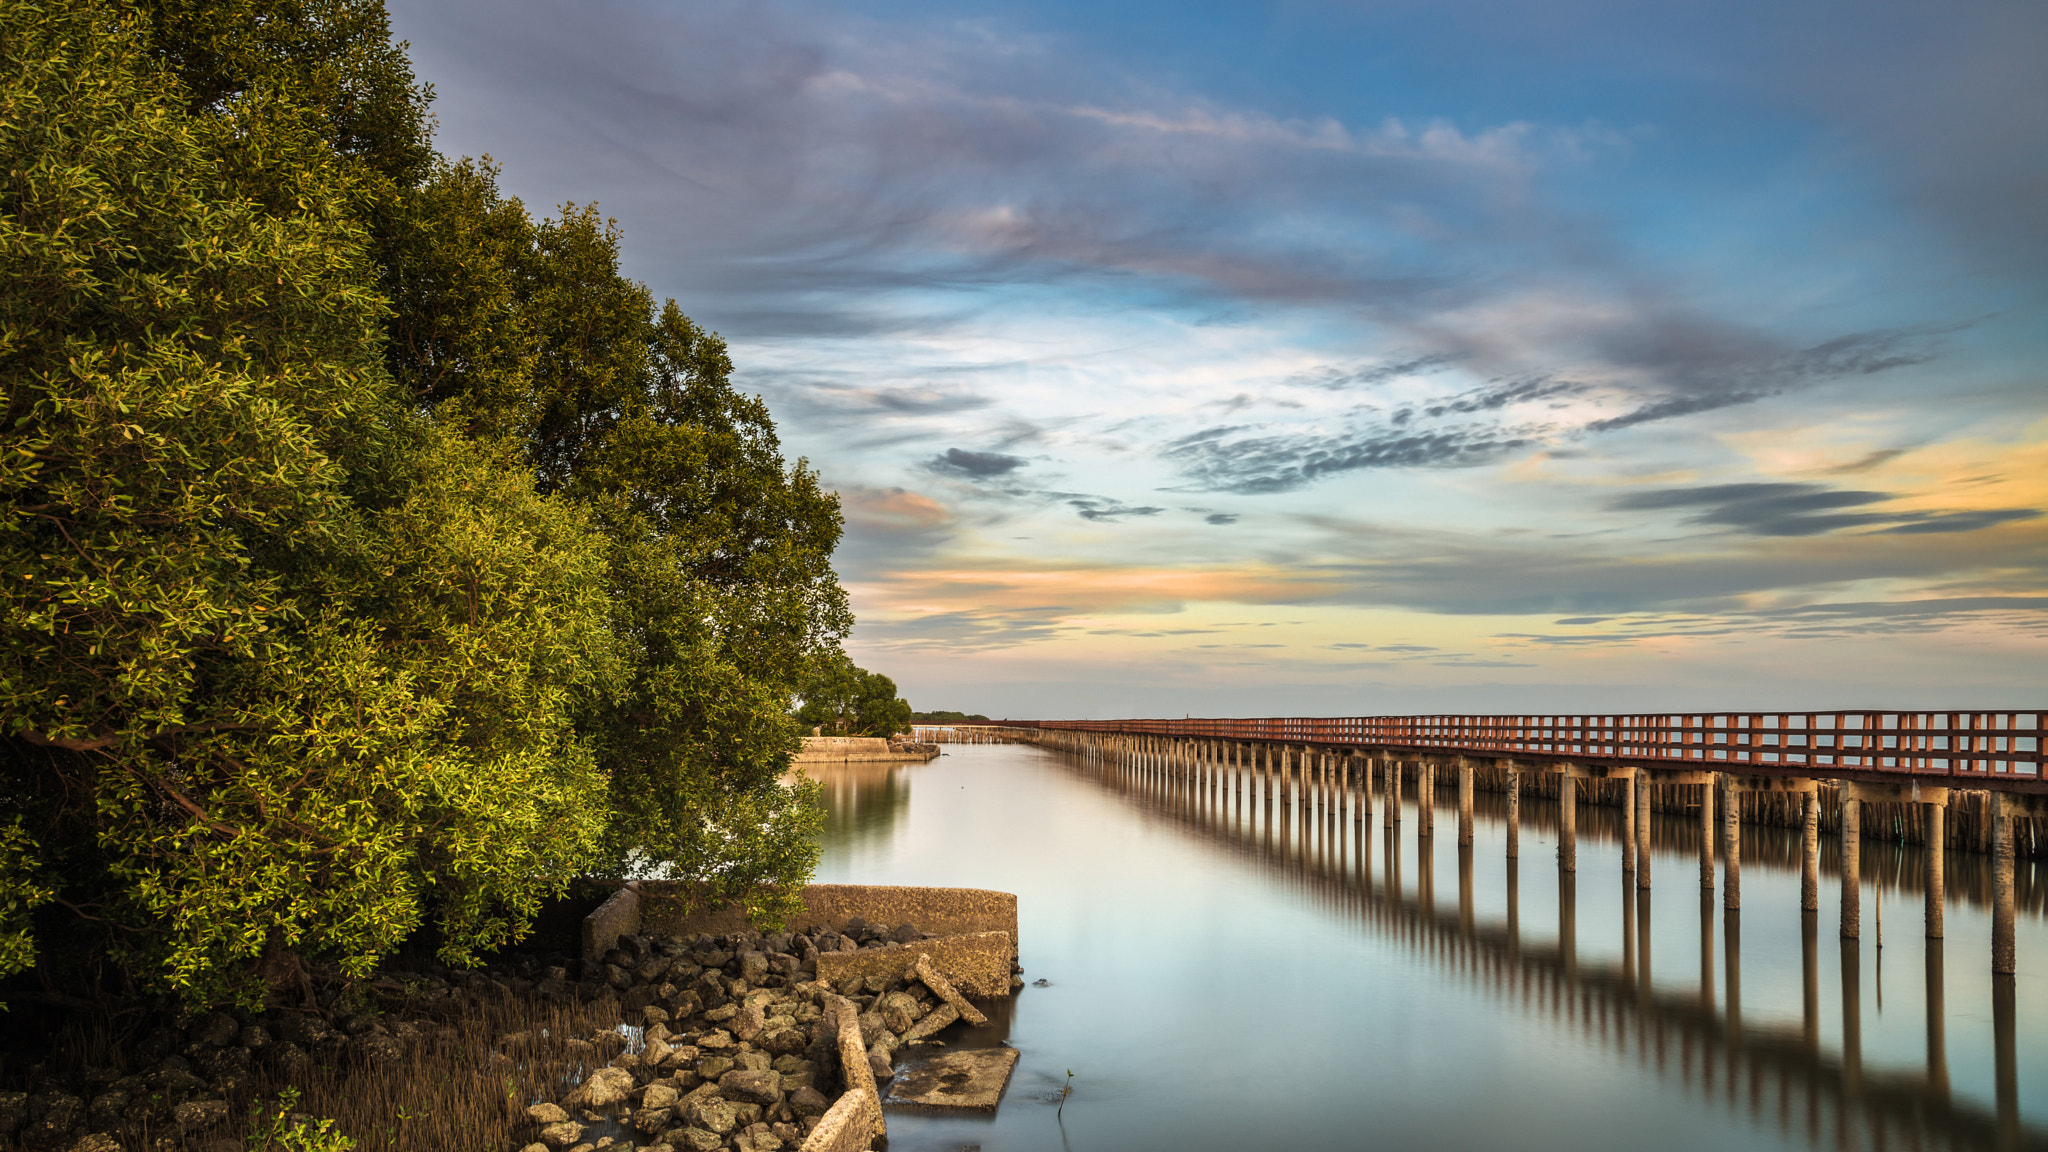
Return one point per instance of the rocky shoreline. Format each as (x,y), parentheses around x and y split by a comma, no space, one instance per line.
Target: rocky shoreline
(688,1044)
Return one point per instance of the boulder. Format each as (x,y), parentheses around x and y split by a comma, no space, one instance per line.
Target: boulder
(763,1088)
(605,1087)
(659,1096)
(199,1115)
(714,1115)
(749,1022)
(561,1135)
(545,1114)
(808,1101)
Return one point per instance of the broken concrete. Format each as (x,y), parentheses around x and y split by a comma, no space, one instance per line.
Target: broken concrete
(977,964)
(934,1020)
(943,988)
(973,1079)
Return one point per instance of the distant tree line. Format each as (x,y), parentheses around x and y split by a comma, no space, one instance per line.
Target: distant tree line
(375,556)
(948,718)
(840,699)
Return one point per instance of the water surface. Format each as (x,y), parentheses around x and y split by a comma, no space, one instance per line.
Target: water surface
(1224,975)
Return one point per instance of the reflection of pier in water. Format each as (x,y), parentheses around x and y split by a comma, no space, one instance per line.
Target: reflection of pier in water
(1321,840)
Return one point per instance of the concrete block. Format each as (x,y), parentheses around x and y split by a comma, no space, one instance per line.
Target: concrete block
(848,1126)
(617,916)
(973,1079)
(978,964)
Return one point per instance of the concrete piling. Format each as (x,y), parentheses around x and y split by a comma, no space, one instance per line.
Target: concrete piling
(1936,842)
(1731,843)
(1567,823)
(2004,958)
(1852,868)
(1464,802)
(1514,810)
(1809,853)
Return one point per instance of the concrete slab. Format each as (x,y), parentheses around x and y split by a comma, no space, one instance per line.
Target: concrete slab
(973,1079)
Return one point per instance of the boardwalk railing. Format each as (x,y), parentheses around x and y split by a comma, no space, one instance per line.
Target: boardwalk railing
(1982,748)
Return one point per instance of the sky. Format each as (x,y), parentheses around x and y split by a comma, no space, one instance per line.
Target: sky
(1328,358)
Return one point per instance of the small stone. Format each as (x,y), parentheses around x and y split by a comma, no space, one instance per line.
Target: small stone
(536,1146)
(545,1114)
(605,1087)
(714,1114)
(748,1022)
(905,933)
(97,1142)
(659,1096)
(652,1120)
(808,1101)
(759,1142)
(712,1067)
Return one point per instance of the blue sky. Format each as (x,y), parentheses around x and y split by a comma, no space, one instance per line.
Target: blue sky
(1330,358)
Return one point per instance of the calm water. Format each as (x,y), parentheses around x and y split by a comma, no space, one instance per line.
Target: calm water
(1226,978)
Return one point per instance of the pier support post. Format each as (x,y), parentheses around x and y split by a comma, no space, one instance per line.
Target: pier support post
(1464,802)
(1567,822)
(1425,797)
(1392,768)
(1809,852)
(1628,824)
(1937,847)
(1731,843)
(1707,791)
(1643,832)
(2004,959)
(1363,814)
(1852,867)
(1514,809)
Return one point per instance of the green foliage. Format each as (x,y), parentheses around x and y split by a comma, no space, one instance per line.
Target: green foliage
(943,717)
(373,554)
(280,1131)
(248,715)
(843,700)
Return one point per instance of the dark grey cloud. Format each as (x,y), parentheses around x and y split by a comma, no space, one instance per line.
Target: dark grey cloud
(1220,518)
(1281,462)
(1806,510)
(961,462)
(1106,508)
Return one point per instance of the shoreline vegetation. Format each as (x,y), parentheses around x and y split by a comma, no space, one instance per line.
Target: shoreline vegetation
(378,561)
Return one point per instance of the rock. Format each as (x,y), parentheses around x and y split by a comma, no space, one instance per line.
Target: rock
(13,1113)
(945,991)
(109,1109)
(650,972)
(545,1114)
(763,1088)
(748,1023)
(605,1087)
(652,1120)
(808,1101)
(758,1142)
(871,1027)
(653,1017)
(905,933)
(216,1030)
(753,966)
(371,1048)
(879,1063)
(199,1115)
(659,1096)
(899,1010)
(713,1114)
(716,1039)
(712,1067)
(561,1135)
(700,1140)
(934,1020)
(536,1146)
(656,1053)
(97,1142)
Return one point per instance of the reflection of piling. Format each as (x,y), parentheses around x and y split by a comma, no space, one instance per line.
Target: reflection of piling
(1753,1066)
